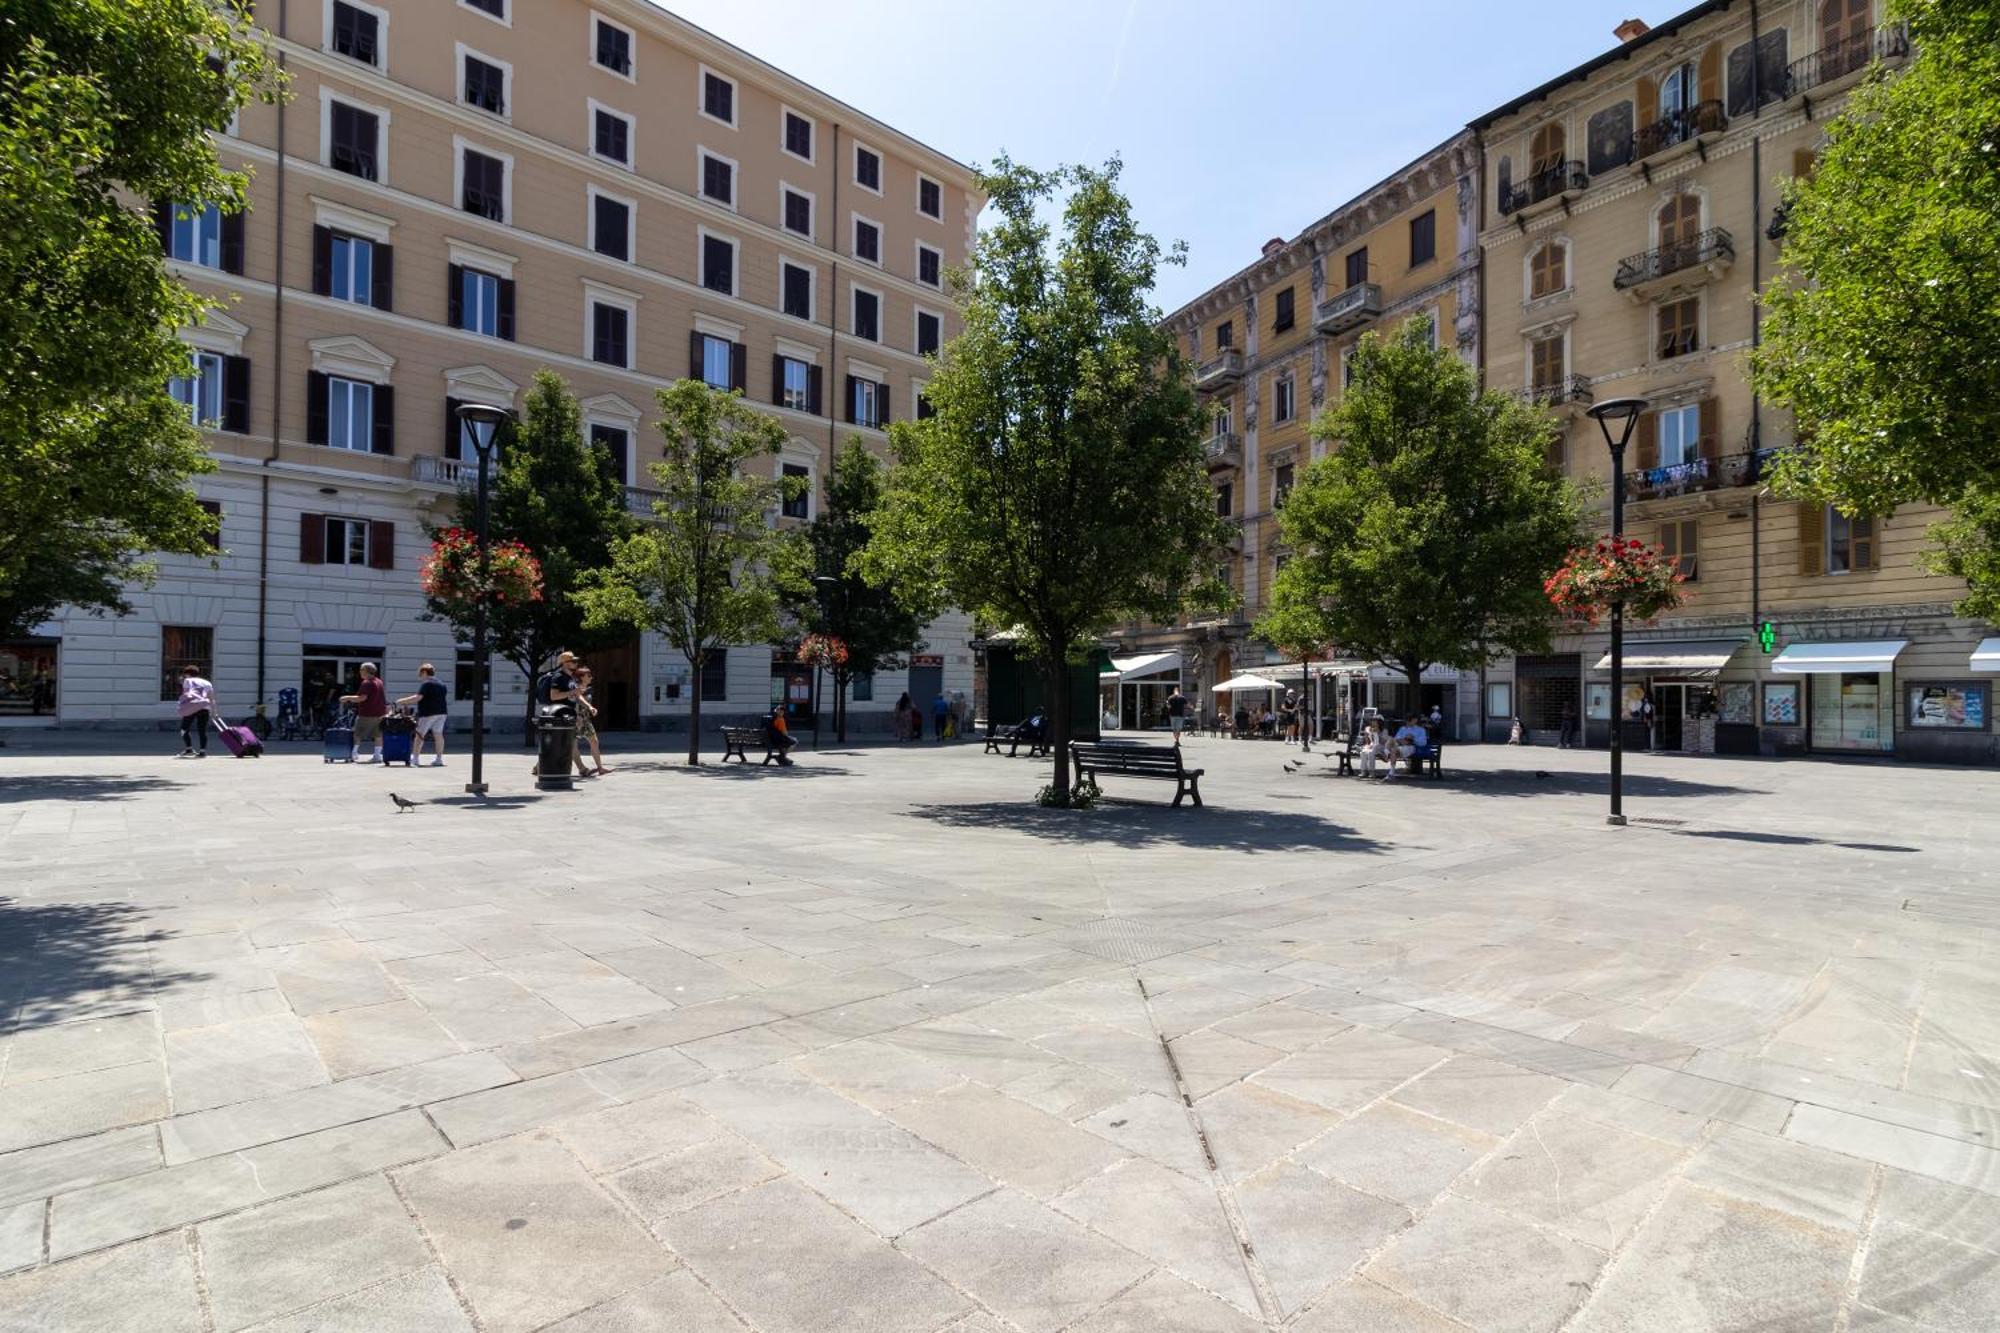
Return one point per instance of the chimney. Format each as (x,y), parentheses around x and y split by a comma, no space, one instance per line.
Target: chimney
(1272,246)
(1631,29)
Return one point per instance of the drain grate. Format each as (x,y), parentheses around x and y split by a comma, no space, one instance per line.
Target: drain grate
(1661,823)
(1117,940)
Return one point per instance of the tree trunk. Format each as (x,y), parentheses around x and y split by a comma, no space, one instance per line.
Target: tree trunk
(1056,675)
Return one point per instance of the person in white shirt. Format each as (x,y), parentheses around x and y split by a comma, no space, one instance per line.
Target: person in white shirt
(1371,748)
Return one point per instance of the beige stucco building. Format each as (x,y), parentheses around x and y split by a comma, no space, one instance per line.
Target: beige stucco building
(461,192)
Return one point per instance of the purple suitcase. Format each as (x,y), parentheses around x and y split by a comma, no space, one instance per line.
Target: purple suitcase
(241,741)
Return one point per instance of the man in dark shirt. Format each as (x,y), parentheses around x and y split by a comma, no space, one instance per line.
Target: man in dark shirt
(433,706)
(370,703)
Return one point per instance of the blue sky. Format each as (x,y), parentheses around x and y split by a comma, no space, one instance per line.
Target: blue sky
(1238,120)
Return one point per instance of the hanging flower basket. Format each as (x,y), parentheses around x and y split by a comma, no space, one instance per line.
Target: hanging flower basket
(823,650)
(1616,569)
(451,571)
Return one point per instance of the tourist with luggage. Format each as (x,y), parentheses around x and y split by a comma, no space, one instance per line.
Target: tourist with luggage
(433,709)
(197,712)
(370,702)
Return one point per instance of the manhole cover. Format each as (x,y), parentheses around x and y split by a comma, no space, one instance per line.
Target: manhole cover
(1120,941)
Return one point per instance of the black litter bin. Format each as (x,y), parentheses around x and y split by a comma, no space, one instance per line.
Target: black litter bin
(555,761)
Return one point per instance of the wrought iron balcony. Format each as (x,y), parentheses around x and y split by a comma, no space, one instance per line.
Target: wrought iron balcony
(1349,309)
(432,470)
(1225,367)
(1830,64)
(1712,250)
(1223,449)
(1571,389)
(1558,179)
(1723,473)
(1678,127)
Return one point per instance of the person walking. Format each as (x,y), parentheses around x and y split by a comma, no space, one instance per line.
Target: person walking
(1305,724)
(779,736)
(1567,735)
(903,711)
(197,712)
(370,703)
(557,685)
(1177,711)
(433,708)
(586,727)
(940,715)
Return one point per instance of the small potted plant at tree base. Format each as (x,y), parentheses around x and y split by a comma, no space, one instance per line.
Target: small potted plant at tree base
(1616,569)
(450,574)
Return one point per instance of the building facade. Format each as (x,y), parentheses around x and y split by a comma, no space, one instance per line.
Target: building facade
(462,192)
(1629,220)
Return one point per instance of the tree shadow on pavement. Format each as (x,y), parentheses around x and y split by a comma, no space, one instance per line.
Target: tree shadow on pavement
(81,787)
(803,767)
(64,961)
(1540,782)
(1793,840)
(1118,823)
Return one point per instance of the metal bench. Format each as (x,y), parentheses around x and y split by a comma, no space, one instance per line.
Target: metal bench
(735,740)
(1158,762)
(1013,738)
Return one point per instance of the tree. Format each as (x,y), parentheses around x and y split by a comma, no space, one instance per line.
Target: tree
(101,100)
(707,572)
(1058,487)
(1882,342)
(878,623)
(1296,623)
(556,496)
(1426,535)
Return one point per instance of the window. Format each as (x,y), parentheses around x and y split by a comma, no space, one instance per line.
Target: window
(717,361)
(1545,364)
(213,508)
(610,227)
(465,669)
(1545,149)
(930,266)
(1347,365)
(611,136)
(862,686)
(1357,267)
(1282,316)
(481,302)
(794,384)
(1679,432)
(354,140)
(867,402)
(1225,418)
(718,180)
(1680,221)
(718,97)
(612,446)
(497,8)
(868,169)
(925,411)
(1281,400)
(799,505)
(201,392)
(867,316)
(798,135)
(867,241)
(613,48)
(1281,485)
(610,334)
(183,646)
(1850,543)
(715,676)
(797,294)
(485,85)
(356,33)
(718,264)
(194,234)
(930,333)
(1423,238)
(1225,500)
(485,185)
(930,198)
(350,414)
(1680,327)
(348,268)
(1678,542)
(346,541)
(798,212)
(1225,335)
(1548,271)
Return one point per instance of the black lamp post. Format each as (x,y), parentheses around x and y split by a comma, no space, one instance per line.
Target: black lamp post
(1624,412)
(822,584)
(482,423)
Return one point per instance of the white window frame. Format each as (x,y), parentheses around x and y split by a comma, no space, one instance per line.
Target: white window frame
(917,314)
(592,193)
(459,52)
(811,159)
(874,399)
(854,168)
(590,49)
(505,20)
(701,96)
(1690,445)
(459,143)
(596,294)
(367,419)
(917,272)
(471,324)
(631,439)
(360,297)
(708,337)
(812,211)
(195,213)
(1568,288)
(327,97)
(701,155)
(854,224)
(348,523)
(1285,393)
(701,261)
(197,382)
(597,108)
(922,180)
(792,351)
(812,283)
(381,65)
(855,289)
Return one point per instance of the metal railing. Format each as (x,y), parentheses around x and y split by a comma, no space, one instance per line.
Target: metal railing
(1704,247)
(1843,58)
(1570,389)
(1545,184)
(1349,309)
(1723,473)
(1678,127)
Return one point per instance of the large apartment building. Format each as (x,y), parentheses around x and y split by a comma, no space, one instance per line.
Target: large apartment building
(457,194)
(1630,218)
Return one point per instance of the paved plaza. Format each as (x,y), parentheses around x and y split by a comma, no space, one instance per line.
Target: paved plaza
(874,1044)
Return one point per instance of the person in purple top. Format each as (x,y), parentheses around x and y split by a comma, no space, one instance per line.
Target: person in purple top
(197,709)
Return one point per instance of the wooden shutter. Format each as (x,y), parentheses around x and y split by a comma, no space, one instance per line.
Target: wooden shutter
(505,325)
(1803,160)
(1710,442)
(1709,73)
(163,219)
(322,278)
(382,297)
(454,281)
(236,394)
(1649,102)
(739,367)
(452,427)
(316,391)
(232,243)
(812,390)
(851,382)
(312,539)
(777,380)
(381,545)
(384,439)
(882,406)
(1866,549)
(694,355)
(1812,538)
(1649,442)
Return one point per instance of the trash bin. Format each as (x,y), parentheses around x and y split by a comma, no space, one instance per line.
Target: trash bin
(555,760)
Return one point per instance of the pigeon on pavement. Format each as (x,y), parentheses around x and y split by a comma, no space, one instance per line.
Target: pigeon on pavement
(402,805)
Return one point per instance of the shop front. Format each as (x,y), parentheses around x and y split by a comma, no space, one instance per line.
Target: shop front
(1680,678)
(1133,693)
(28,680)
(1850,693)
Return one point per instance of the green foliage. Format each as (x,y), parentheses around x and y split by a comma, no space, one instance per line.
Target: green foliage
(1882,343)
(1426,534)
(1059,487)
(708,570)
(1969,549)
(101,100)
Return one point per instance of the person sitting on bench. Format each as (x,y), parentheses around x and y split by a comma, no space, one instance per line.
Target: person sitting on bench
(1371,749)
(1410,738)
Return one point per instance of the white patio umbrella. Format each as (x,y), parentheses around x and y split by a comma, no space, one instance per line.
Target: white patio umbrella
(1247,682)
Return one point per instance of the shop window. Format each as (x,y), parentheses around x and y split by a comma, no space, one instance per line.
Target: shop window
(183,646)
(28,678)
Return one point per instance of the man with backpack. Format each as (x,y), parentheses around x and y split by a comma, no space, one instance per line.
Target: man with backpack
(558,685)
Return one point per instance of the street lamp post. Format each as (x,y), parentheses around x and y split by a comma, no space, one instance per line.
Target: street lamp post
(1625,412)
(482,423)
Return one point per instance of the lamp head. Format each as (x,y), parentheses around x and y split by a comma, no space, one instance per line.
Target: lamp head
(482,422)
(1621,413)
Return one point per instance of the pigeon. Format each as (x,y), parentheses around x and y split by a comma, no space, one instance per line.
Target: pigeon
(1291,768)
(401,804)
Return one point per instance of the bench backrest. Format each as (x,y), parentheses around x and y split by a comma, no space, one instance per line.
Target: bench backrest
(1140,758)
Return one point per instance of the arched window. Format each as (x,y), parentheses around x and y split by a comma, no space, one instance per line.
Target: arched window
(1680,221)
(1545,149)
(1548,270)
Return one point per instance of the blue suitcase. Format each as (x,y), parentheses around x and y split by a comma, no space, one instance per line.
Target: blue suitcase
(399,740)
(340,741)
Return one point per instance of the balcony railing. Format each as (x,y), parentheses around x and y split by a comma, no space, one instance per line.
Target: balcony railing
(1572,389)
(1349,309)
(1677,127)
(640,500)
(1222,449)
(1547,183)
(1701,474)
(1222,368)
(431,470)
(1714,246)
(1843,58)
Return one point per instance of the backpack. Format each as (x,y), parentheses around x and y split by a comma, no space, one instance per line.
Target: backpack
(544,684)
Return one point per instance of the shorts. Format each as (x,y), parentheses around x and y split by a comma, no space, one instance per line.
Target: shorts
(1174,724)
(432,725)
(367,731)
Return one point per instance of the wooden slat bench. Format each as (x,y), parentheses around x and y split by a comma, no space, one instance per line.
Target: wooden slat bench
(1158,762)
(1012,738)
(735,740)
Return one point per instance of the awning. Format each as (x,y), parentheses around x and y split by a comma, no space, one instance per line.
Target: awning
(1695,657)
(1816,659)
(1986,657)
(1130,668)
(1247,683)
(1434,673)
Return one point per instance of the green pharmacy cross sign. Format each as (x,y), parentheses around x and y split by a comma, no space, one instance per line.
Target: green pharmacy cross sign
(1767,637)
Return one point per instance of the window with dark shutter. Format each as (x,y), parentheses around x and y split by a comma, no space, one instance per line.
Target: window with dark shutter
(355,32)
(798,135)
(798,213)
(868,169)
(611,228)
(798,290)
(354,139)
(1225,335)
(797,504)
(867,316)
(715,676)
(614,48)
(485,85)
(236,394)
(213,508)
(497,8)
(485,186)
(924,409)
(230,251)
(718,180)
(718,97)
(930,267)
(930,198)
(1423,238)
(612,137)
(312,539)
(867,241)
(381,545)
(608,335)
(1282,316)
(791,383)
(612,447)
(718,264)
(1357,267)
(383,438)
(317,388)
(930,333)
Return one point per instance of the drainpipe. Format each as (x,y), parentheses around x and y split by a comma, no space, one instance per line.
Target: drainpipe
(1756,317)
(833,315)
(277,392)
